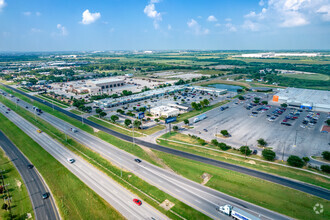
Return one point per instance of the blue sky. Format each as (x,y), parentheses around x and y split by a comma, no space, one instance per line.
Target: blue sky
(64,25)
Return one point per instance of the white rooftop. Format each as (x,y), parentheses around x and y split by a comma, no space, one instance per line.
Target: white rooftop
(305,96)
(105,80)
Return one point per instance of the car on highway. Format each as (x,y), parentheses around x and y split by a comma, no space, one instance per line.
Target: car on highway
(71,160)
(205,129)
(39,131)
(138,202)
(26,106)
(45,195)
(137,160)
(29,166)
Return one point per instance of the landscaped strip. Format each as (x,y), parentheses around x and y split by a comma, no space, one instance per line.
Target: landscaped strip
(74,199)
(20,203)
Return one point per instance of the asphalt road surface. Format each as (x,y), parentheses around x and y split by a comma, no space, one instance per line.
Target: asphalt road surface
(44,209)
(307,188)
(196,195)
(116,195)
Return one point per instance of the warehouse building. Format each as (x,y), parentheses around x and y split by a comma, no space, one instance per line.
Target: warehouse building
(316,100)
(210,90)
(164,111)
(107,83)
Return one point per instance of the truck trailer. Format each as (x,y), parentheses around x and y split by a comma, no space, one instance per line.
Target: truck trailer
(236,213)
(199,118)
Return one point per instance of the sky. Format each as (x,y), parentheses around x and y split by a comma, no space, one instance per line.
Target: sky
(99,25)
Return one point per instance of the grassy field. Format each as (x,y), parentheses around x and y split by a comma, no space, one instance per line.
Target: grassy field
(253,164)
(315,76)
(112,171)
(217,81)
(152,130)
(72,196)
(20,203)
(74,111)
(281,60)
(269,195)
(55,101)
(24,90)
(194,113)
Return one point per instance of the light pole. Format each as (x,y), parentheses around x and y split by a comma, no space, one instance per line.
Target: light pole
(82,119)
(283,153)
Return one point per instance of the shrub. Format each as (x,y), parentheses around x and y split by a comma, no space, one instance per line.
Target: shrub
(268,154)
(325,168)
(175,128)
(224,146)
(262,142)
(306,159)
(214,142)
(264,102)
(284,105)
(326,155)
(295,161)
(201,141)
(224,133)
(245,150)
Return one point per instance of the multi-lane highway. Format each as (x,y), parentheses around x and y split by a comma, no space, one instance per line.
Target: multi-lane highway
(307,188)
(116,195)
(44,209)
(196,195)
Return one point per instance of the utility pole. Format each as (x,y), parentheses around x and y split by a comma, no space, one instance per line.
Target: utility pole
(245,148)
(295,139)
(283,152)
(133,134)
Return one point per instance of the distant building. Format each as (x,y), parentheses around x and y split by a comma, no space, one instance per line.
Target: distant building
(107,83)
(164,111)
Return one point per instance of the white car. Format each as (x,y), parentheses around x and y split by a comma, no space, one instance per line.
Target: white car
(71,160)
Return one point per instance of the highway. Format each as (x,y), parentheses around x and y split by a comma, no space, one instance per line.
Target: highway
(44,209)
(195,195)
(304,187)
(116,195)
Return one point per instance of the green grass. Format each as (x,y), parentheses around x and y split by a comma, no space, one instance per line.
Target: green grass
(194,113)
(20,203)
(24,90)
(266,194)
(279,60)
(54,101)
(259,165)
(74,199)
(152,130)
(74,111)
(315,76)
(112,171)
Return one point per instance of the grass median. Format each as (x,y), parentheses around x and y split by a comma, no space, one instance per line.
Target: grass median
(269,195)
(74,199)
(21,204)
(253,164)
(149,193)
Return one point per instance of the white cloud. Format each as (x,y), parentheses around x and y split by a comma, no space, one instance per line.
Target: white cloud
(2,4)
(231,27)
(62,29)
(38,13)
(251,26)
(228,19)
(261,3)
(169,27)
(325,12)
(88,18)
(27,13)
(212,18)
(197,28)
(151,12)
(217,25)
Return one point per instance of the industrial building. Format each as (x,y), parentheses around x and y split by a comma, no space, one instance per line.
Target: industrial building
(214,91)
(316,100)
(164,111)
(106,84)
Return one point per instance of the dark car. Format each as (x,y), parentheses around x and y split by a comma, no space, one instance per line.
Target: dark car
(45,195)
(137,160)
(26,106)
(205,129)
(30,166)
(138,202)
(255,152)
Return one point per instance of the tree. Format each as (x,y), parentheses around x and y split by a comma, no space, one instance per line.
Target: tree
(295,161)
(306,159)
(214,142)
(142,109)
(186,122)
(156,120)
(137,123)
(262,142)
(265,102)
(201,141)
(328,122)
(284,105)
(103,114)
(268,154)
(114,118)
(326,155)
(224,133)
(127,122)
(194,105)
(240,97)
(245,150)
(98,110)
(206,102)
(325,168)
(175,128)
(223,146)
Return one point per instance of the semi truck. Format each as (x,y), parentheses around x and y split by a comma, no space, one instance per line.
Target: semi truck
(199,118)
(236,213)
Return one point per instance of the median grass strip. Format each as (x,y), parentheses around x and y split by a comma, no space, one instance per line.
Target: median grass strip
(53,101)
(253,164)
(74,199)
(194,113)
(20,204)
(269,195)
(74,111)
(149,193)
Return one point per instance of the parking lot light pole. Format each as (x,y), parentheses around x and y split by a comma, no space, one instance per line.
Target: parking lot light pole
(283,153)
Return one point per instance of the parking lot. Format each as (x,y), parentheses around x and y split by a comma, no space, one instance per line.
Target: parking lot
(298,138)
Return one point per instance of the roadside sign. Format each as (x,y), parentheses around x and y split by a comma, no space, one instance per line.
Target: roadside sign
(141,115)
(169,120)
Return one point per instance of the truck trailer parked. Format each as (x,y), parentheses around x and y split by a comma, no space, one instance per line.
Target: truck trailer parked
(199,118)
(236,213)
